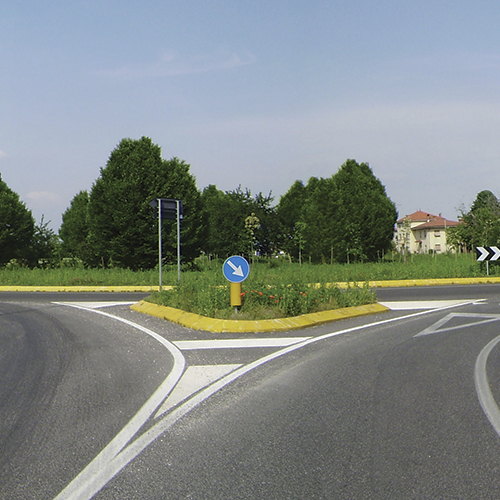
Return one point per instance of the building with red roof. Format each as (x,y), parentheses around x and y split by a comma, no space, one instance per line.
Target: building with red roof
(421,232)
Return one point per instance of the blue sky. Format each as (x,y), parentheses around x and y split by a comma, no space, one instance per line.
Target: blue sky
(256,94)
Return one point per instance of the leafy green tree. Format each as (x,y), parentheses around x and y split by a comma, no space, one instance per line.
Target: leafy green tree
(16,226)
(290,212)
(225,220)
(122,225)
(252,223)
(74,231)
(346,217)
(298,236)
(322,216)
(267,234)
(44,247)
(226,214)
(368,215)
(480,226)
(486,200)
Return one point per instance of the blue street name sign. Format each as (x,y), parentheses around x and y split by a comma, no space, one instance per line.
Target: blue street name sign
(236,269)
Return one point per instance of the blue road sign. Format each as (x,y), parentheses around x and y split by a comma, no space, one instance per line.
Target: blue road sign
(236,269)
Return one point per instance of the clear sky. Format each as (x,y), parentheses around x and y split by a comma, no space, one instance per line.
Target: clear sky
(253,93)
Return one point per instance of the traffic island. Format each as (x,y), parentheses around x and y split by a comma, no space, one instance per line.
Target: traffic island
(197,322)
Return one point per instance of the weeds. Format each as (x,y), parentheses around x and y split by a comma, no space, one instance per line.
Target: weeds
(260,300)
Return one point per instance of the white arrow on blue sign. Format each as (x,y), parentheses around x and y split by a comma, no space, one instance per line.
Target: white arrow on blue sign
(487,253)
(236,269)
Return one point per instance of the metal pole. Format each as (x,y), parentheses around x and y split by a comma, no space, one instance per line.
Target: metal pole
(178,241)
(159,243)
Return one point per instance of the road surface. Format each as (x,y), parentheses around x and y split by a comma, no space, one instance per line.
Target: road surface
(98,401)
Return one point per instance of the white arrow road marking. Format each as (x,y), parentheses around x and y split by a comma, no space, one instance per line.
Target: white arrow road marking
(236,270)
(474,320)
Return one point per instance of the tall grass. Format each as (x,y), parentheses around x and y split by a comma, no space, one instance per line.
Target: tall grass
(67,276)
(274,271)
(416,267)
(205,296)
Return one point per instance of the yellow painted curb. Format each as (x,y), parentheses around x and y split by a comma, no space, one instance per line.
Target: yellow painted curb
(146,289)
(418,282)
(198,322)
(434,282)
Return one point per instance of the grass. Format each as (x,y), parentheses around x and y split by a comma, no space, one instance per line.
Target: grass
(208,297)
(69,276)
(275,288)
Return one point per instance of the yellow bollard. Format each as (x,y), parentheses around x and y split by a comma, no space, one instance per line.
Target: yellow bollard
(235,294)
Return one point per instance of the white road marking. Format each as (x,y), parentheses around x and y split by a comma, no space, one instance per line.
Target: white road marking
(411,305)
(483,390)
(117,454)
(194,379)
(186,345)
(99,471)
(472,319)
(96,305)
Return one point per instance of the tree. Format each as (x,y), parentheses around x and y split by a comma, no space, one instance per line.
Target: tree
(44,246)
(368,215)
(347,216)
(74,231)
(480,226)
(267,234)
(322,216)
(16,226)
(290,212)
(226,216)
(122,226)
(252,223)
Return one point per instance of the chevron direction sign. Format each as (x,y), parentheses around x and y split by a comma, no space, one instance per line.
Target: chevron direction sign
(487,253)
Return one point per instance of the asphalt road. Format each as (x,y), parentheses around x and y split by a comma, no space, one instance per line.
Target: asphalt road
(398,405)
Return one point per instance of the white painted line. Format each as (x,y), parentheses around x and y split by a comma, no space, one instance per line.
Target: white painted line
(99,471)
(413,305)
(186,345)
(483,390)
(471,319)
(96,305)
(109,463)
(194,379)
(137,446)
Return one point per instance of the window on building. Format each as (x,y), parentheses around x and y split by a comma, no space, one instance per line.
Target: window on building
(437,233)
(438,247)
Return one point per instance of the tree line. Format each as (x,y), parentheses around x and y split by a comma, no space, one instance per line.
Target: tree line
(479,226)
(21,239)
(343,218)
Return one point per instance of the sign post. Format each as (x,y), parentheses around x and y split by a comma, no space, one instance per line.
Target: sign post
(168,209)
(236,269)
